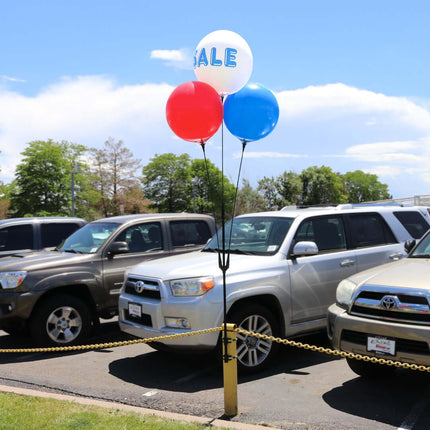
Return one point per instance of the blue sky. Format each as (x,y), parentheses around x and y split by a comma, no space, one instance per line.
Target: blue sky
(351,79)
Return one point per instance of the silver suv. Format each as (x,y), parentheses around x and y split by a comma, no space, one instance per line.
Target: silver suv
(284,267)
(385,312)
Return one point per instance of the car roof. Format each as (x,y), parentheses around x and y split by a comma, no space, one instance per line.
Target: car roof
(35,220)
(296,212)
(121,219)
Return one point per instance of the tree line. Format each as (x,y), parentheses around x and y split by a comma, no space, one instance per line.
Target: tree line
(61,178)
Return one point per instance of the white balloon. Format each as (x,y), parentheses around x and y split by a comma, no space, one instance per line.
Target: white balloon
(223,60)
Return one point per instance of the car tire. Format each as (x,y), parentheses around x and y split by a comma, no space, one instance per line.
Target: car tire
(255,354)
(367,369)
(61,320)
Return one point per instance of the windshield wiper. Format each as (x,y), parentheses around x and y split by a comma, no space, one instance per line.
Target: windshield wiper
(231,251)
(240,251)
(74,251)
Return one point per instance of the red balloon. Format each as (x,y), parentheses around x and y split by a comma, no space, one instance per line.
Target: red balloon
(194,111)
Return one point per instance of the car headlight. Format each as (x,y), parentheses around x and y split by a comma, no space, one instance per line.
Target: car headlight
(12,279)
(344,292)
(191,286)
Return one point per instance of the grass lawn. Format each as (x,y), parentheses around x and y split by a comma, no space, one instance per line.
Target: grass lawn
(19,412)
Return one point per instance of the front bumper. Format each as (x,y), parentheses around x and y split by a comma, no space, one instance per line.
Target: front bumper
(15,307)
(152,323)
(349,333)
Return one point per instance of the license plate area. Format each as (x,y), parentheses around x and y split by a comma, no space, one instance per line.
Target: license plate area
(381,345)
(135,314)
(134,310)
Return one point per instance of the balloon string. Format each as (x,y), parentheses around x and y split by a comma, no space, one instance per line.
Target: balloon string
(237,188)
(210,188)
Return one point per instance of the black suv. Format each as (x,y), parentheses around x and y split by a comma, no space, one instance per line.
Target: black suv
(19,235)
(60,295)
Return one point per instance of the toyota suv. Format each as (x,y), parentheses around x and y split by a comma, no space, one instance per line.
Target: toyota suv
(18,235)
(59,295)
(281,272)
(384,312)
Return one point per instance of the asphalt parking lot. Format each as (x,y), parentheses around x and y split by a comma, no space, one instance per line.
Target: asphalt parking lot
(303,390)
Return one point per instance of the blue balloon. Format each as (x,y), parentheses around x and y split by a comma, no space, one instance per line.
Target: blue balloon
(251,113)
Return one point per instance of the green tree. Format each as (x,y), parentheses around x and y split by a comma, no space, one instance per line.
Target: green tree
(6,191)
(43,182)
(249,200)
(364,187)
(207,189)
(290,187)
(321,186)
(167,182)
(267,188)
(114,173)
(284,190)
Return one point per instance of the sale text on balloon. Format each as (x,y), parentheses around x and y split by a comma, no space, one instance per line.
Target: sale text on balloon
(229,60)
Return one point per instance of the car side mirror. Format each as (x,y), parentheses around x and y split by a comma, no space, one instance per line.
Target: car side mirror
(118,248)
(305,248)
(409,244)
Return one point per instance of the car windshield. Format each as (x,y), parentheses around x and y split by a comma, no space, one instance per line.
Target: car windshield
(423,248)
(89,238)
(252,235)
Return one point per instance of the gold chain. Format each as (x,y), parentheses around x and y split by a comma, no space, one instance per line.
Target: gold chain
(334,352)
(237,330)
(111,344)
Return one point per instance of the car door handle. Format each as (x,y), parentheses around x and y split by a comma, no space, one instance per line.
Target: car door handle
(346,263)
(396,256)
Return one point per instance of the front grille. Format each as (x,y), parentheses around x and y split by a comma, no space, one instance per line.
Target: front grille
(144,319)
(404,298)
(402,345)
(391,315)
(150,288)
(407,306)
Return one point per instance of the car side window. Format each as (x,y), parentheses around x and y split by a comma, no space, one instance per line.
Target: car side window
(54,233)
(142,237)
(413,222)
(327,232)
(370,229)
(16,237)
(187,233)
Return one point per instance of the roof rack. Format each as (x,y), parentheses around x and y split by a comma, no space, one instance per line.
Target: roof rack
(321,206)
(343,206)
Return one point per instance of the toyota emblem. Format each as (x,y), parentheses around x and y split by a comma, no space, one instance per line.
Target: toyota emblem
(389,302)
(139,287)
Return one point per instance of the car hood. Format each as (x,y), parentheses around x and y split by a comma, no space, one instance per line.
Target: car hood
(409,273)
(195,264)
(41,260)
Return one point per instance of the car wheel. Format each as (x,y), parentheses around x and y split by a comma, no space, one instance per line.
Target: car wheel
(61,321)
(255,354)
(366,369)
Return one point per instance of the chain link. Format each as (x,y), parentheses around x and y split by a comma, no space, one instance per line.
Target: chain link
(111,344)
(335,352)
(293,343)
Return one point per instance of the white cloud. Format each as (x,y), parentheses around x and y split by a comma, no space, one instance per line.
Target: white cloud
(84,110)
(339,100)
(314,121)
(180,58)
(10,79)
(386,152)
(163,54)
(268,155)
